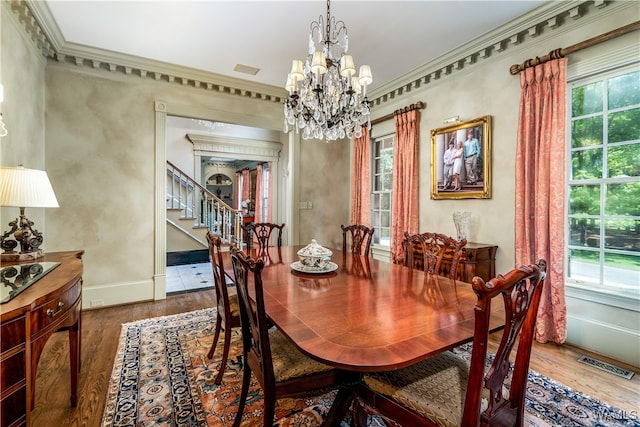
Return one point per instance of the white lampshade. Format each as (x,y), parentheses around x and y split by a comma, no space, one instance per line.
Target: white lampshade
(347,67)
(26,188)
(356,85)
(365,78)
(290,86)
(319,63)
(297,70)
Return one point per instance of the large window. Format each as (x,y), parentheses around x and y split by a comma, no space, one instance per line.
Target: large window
(604,183)
(382,154)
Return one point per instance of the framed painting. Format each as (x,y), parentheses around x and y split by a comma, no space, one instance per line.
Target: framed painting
(461,160)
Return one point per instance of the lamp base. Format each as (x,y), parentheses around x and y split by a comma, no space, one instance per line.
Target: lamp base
(21,257)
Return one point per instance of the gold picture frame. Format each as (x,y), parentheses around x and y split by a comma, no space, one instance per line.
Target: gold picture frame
(444,182)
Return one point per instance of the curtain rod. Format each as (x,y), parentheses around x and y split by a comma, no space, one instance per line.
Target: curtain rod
(561,53)
(417,106)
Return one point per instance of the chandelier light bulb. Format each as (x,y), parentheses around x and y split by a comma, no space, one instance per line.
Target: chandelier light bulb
(319,63)
(347,67)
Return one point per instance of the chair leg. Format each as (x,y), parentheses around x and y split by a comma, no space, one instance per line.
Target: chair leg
(269,409)
(215,337)
(225,354)
(246,377)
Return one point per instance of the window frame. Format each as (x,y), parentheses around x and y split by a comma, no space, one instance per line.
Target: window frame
(381,193)
(596,291)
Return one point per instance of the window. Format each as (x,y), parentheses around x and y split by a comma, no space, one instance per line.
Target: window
(382,154)
(604,183)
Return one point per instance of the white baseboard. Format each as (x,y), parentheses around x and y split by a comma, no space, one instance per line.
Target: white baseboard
(609,340)
(116,294)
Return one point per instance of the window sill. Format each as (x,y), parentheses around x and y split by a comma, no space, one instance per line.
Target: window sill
(602,296)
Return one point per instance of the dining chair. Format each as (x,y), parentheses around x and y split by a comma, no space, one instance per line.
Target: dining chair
(360,236)
(228,310)
(262,232)
(434,253)
(278,366)
(444,390)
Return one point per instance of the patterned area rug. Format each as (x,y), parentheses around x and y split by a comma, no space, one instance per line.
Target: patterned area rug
(162,377)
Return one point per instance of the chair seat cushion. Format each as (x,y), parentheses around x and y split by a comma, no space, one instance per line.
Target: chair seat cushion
(234,305)
(434,388)
(288,361)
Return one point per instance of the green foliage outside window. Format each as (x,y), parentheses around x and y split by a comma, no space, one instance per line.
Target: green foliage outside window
(604,184)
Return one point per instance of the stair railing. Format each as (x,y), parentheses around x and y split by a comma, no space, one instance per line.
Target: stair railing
(206,209)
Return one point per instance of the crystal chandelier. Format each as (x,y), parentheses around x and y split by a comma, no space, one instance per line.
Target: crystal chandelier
(326,98)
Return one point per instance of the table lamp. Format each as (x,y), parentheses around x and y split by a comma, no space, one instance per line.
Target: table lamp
(24,188)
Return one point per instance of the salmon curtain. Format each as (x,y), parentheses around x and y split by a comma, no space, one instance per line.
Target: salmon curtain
(238,190)
(540,184)
(246,183)
(404,212)
(259,195)
(361,180)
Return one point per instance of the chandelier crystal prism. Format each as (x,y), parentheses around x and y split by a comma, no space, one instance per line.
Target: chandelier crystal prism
(326,98)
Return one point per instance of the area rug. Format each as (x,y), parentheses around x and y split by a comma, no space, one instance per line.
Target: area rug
(162,377)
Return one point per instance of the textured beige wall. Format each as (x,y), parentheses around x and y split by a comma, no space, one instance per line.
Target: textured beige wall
(324,181)
(100,151)
(22,75)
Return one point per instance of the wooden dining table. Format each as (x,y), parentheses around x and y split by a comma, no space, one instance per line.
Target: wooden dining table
(367,315)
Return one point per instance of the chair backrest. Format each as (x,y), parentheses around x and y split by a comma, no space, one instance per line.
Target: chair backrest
(361,236)
(262,232)
(520,289)
(253,319)
(222,293)
(434,253)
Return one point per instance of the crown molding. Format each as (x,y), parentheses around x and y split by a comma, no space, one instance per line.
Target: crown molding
(555,16)
(38,22)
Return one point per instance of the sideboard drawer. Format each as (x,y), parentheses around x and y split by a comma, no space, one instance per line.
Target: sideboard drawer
(53,309)
(12,334)
(13,370)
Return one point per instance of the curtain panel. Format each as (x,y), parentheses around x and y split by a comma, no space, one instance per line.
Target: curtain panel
(361,180)
(404,211)
(246,184)
(238,190)
(541,188)
(259,194)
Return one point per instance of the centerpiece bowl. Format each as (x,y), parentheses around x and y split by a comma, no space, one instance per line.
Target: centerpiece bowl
(315,257)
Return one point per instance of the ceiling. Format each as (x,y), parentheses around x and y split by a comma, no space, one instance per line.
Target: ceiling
(393,37)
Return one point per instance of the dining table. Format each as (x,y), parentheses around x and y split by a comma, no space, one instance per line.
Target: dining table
(365,315)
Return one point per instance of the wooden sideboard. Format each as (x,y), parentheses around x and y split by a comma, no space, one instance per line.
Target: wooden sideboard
(479,260)
(52,303)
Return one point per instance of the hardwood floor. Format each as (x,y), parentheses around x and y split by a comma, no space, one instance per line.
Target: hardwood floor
(101,331)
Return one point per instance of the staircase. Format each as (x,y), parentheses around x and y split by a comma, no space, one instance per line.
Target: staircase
(192,210)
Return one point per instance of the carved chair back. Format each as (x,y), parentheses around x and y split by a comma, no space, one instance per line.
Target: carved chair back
(520,290)
(360,236)
(434,253)
(263,232)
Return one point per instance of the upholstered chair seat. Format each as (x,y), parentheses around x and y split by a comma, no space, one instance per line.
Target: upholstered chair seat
(289,362)
(434,388)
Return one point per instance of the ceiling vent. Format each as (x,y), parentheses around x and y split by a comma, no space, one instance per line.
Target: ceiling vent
(246,69)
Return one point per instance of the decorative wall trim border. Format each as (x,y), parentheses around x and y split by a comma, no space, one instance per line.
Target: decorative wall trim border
(38,22)
(557,16)
(551,16)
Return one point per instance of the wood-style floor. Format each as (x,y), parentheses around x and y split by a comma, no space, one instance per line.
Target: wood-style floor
(101,330)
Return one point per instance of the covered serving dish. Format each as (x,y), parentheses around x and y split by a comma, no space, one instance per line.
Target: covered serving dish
(314,256)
